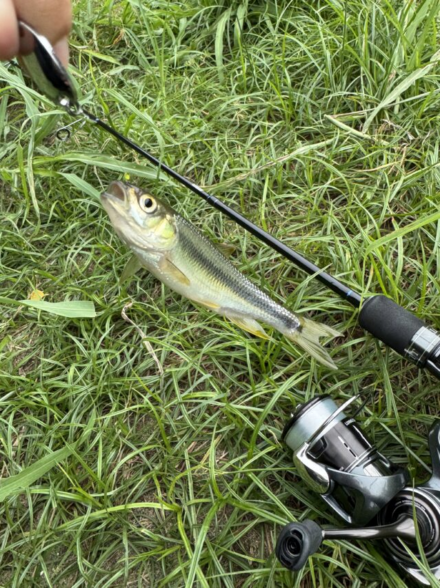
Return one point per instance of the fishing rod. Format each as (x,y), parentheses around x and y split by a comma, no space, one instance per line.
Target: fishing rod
(379,315)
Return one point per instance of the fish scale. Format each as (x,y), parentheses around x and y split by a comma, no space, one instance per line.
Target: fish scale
(198,250)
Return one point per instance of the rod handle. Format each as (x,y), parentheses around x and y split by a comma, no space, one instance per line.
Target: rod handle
(402,331)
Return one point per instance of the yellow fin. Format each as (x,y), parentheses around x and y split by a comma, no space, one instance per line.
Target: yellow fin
(208,304)
(132,267)
(226,248)
(250,325)
(168,267)
(308,337)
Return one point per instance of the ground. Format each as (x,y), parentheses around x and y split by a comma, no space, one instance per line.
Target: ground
(318,121)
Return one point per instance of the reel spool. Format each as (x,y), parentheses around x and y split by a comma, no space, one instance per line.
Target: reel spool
(363,487)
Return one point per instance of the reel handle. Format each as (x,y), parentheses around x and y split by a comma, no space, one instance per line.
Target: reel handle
(402,331)
(298,541)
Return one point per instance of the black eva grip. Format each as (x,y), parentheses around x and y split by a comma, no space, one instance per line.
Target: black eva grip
(389,322)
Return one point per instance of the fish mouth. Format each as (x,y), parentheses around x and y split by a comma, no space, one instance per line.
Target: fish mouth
(115,193)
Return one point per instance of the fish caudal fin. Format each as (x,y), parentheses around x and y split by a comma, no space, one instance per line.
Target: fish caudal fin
(308,338)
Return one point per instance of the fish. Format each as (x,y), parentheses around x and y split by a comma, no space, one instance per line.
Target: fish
(182,258)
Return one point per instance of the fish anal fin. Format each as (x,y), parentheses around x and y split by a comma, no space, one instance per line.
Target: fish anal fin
(250,325)
(208,304)
(132,266)
(168,267)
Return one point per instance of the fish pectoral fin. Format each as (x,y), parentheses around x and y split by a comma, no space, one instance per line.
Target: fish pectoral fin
(168,267)
(250,325)
(132,266)
(226,248)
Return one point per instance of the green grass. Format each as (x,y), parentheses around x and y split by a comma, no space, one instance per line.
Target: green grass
(317,122)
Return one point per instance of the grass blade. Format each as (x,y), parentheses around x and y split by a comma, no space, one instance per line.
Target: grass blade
(199,544)
(414,226)
(68,308)
(402,87)
(221,25)
(21,481)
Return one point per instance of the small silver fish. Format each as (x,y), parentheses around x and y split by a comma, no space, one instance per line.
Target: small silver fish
(173,250)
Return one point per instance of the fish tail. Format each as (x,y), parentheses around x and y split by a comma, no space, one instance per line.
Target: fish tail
(308,335)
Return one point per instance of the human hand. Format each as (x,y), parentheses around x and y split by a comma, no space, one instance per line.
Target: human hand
(50,18)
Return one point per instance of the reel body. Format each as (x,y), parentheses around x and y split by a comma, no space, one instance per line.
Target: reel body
(363,487)
(423,504)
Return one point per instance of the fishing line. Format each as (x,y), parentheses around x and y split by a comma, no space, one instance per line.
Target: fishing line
(64,133)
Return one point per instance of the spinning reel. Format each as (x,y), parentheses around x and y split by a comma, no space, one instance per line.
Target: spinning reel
(335,459)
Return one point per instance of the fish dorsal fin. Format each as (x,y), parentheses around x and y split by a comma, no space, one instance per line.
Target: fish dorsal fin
(168,267)
(132,266)
(226,249)
(250,325)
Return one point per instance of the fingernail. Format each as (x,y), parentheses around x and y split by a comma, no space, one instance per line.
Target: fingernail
(62,51)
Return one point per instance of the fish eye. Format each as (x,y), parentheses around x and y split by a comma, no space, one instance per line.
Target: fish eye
(147,203)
